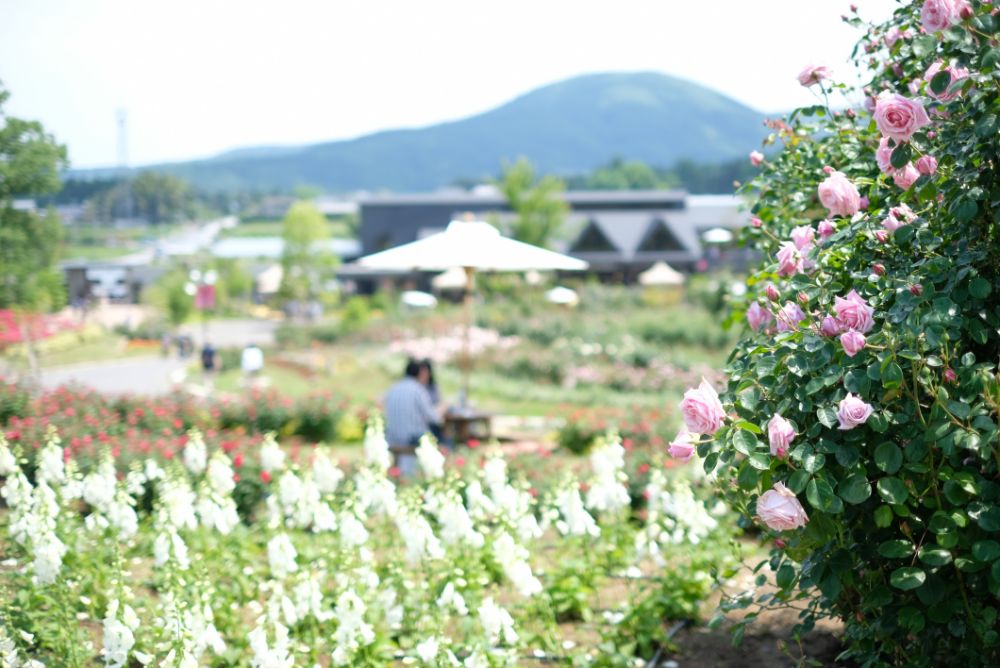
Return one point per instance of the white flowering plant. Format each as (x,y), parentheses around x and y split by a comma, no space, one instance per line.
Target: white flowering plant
(462,566)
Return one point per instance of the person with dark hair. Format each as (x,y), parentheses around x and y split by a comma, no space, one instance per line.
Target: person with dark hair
(435,394)
(409,414)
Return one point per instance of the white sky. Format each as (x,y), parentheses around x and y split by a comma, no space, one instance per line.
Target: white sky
(201,76)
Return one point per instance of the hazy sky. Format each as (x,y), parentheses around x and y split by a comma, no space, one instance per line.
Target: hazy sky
(201,76)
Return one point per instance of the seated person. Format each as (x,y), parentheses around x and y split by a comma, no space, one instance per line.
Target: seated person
(409,414)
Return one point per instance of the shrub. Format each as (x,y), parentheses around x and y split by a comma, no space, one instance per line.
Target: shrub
(878,344)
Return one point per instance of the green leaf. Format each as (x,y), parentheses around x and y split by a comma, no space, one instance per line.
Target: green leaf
(896,549)
(901,155)
(759,461)
(797,481)
(744,442)
(980,288)
(934,556)
(941,81)
(991,58)
(986,550)
(911,618)
(813,462)
(892,376)
(747,478)
(749,398)
(926,45)
(964,209)
(888,457)
(785,576)
(820,494)
(883,516)
(892,490)
(907,578)
(827,416)
(855,489)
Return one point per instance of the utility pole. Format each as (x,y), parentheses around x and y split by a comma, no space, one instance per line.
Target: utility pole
(123,163)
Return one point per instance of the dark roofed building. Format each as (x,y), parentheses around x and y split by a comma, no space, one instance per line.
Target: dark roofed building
(620,233)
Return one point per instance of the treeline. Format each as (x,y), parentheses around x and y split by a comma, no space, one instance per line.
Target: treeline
(686,175)
(149,196)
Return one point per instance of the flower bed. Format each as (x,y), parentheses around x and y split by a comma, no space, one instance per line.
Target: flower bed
(464,566)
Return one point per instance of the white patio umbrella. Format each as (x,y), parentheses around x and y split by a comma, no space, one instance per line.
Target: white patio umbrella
(661,273)
(453,279)
(473,245)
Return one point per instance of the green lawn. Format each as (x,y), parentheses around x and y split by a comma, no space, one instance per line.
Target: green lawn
(95,253)
(257,227)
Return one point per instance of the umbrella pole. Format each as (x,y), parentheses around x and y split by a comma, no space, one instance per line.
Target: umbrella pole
(466,347)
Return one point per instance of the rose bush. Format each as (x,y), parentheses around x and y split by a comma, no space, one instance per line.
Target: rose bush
(880,378)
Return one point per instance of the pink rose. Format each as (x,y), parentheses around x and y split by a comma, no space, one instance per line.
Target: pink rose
(882,236)
(899,117)
(789,259)
(964,10)
(789,317)
(898,216)
(813,74)
(702,410)
(883,156)
(803,236)
(826,228)
(683,446)
(870,104)
(756,157)
(780,510)
(927,165)
(905,177)
(830,326)
(853,411)
(937,14)
(853,312)
(758,316)
(839,195)
(780,434)
(772,292)
(853,342)
(957,74)
(895,35)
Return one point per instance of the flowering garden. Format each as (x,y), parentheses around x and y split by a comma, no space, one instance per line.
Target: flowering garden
(853,435)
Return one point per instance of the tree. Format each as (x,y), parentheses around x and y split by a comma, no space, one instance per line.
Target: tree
(859,426)
(307,261)
(537,203)
(30,160)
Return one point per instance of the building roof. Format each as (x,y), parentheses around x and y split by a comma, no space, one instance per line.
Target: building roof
(460,197)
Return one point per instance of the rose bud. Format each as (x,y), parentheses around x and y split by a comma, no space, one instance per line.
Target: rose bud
(756,222)
(950,375)
(879,269)
(803,298)
(780,544)
(931,134)
(850,113)
(882,236)
(772,292)
(916,289)
(927,165)
(828,169)
(863,203)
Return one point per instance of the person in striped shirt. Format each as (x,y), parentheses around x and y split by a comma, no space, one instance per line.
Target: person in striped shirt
(409,414)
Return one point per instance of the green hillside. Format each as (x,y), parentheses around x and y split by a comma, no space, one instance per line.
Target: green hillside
(568,127)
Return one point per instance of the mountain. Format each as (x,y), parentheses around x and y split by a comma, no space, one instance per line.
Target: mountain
(567,127)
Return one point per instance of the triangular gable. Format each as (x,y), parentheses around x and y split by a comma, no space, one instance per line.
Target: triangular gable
(593,240)
(659,238)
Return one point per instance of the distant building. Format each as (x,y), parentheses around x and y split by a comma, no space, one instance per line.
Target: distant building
(112,281)
(620,233)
